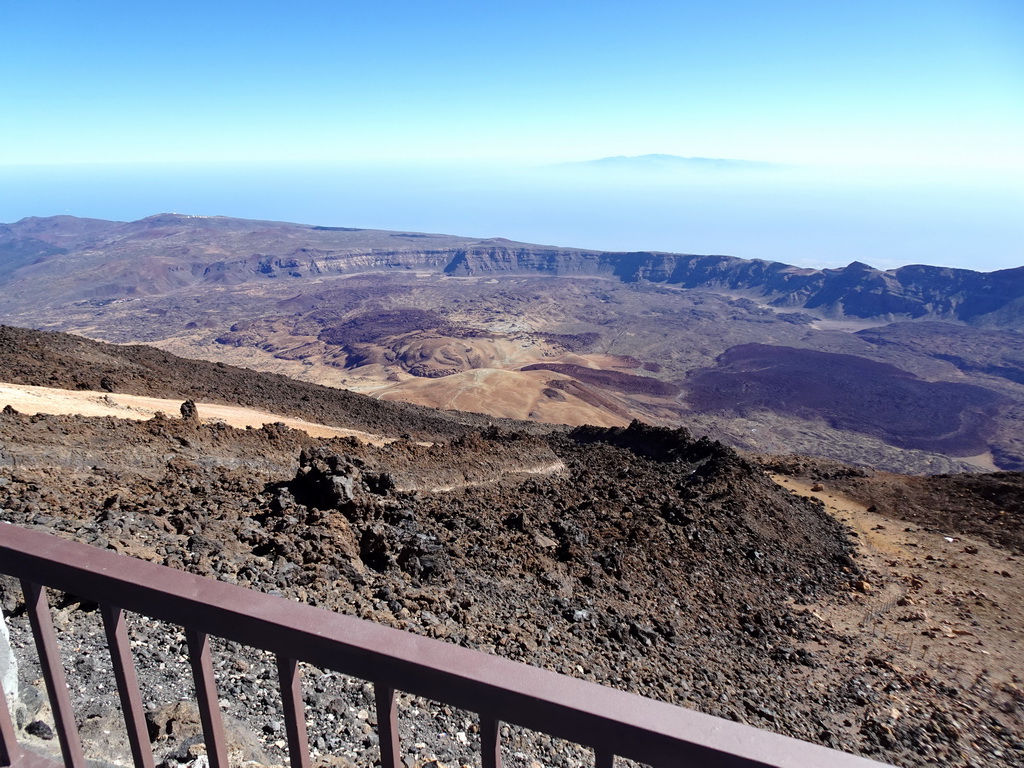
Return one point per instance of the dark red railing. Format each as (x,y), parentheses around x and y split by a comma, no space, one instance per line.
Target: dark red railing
(608,721)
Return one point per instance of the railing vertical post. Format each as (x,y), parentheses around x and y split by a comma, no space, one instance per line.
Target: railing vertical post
(603,758)
(387,725)
(490,741)
(206,693)
(294,711)
(53,674)
(9,749)
(127,685)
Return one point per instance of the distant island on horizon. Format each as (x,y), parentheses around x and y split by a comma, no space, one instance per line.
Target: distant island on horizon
(665,162)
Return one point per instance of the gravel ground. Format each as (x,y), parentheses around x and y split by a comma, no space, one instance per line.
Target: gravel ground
(641,558)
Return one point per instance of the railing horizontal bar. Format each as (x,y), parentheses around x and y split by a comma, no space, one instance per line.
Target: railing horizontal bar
(294,711)
(387,726)
(53,673)
(631,726)
(127,685)
(206,694)
(9,749)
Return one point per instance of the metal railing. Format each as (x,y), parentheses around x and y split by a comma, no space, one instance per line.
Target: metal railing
(608,721)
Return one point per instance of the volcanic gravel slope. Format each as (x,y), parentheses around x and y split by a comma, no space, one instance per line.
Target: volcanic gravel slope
(989,506)
(640,558)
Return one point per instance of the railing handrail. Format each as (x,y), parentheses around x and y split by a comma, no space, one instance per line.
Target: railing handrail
(608,720)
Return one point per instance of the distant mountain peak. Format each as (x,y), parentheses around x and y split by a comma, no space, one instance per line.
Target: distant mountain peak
(176,215)
(659,161)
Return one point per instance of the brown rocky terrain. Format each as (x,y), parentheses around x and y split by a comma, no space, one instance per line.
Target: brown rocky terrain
(472,324)
(69,362)
(827,604)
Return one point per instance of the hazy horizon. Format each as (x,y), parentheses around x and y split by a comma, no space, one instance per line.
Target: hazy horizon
(816,217)
(893,133)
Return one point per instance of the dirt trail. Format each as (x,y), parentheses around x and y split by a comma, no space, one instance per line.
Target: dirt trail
(938,602)
(544,470)
(34,400)
(875,547)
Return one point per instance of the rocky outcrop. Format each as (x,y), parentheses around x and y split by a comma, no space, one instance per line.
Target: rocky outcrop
(189,411)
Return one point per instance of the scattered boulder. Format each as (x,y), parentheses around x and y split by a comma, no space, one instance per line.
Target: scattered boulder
(327,479)
(40,730)
(189,411)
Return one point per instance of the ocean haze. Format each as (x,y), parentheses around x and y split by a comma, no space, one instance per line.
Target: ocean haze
(820,217)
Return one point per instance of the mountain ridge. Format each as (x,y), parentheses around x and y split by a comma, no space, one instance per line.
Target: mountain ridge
(167,251)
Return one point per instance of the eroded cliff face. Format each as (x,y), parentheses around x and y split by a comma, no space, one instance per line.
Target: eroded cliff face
(530,260)
(313,262)
(857,290)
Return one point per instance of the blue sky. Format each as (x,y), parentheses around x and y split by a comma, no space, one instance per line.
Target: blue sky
(454,102)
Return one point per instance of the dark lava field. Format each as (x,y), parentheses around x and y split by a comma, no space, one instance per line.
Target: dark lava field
(644,558)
